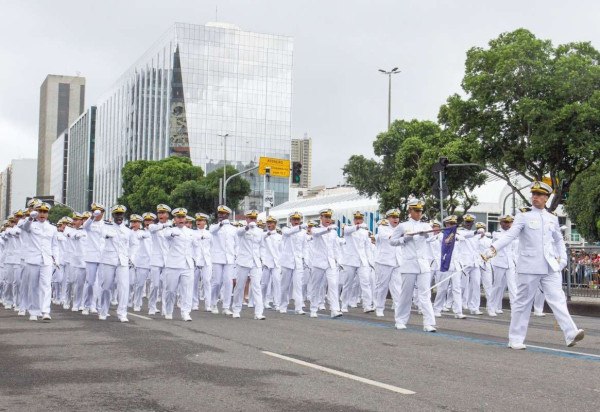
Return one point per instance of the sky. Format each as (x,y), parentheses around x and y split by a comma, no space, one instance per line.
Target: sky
(339,97)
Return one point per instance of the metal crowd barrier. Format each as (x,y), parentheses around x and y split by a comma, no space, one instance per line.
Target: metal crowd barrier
(581,277)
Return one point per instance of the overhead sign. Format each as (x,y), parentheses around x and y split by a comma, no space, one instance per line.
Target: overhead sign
(279,167)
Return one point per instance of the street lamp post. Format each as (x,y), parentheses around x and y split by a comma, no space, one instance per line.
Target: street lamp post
(389,74)
(224,136)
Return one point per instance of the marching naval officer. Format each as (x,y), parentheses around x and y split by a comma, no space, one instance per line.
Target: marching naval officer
(114,263)
(416,267)
(224,242)
(542,256)
(203,271)
(179,266)
(249,265)
(41,257)
(294,258)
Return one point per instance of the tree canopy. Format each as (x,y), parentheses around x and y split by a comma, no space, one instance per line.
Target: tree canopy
(178,183)
(407,154)
(583,203)
(533,108)
(57,212)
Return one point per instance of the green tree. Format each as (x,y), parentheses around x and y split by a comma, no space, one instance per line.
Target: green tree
(583,203)
(533,108)
(59,211)
(178,183)
(407,154)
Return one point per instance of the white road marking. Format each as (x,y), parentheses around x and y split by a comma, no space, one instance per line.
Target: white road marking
(139,316)
(564,351)
(342,374)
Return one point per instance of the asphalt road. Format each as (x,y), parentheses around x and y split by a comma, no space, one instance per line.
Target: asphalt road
(216,363)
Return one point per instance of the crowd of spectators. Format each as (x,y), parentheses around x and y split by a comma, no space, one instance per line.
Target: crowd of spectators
(585,268)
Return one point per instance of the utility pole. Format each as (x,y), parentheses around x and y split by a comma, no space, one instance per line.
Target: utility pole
(389,74)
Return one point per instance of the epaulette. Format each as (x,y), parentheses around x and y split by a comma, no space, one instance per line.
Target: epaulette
(554,213)
(525,209)
(106,222)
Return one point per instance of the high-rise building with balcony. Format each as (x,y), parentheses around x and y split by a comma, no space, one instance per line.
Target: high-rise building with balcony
(302,152)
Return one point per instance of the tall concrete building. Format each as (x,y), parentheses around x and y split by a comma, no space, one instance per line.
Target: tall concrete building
(302,152)
(62,100)
(195,85)
(17,184)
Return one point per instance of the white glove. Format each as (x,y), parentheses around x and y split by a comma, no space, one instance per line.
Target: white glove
(168,224)
(34,214)
(303,226)
(77,235)
(97,213)
(481,231)
(488,253)
(252,224)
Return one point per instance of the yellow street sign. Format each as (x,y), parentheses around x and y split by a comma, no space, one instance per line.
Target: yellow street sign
(279,167)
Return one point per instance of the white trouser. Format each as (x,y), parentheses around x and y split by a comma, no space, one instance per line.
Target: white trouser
(503,277)
(364,279)
(203,273)
(253,275)
(78,275)
(319,276)
(487,281)
(473,286)
(174,280)
(538,301)
(291,279)
(141,276)
(272,277)
(91,274)
(155,284)
(222,281)
(109,276)
(383,275)
(423,282)
(441,296)
(551,285)
(10,279)
(39,291)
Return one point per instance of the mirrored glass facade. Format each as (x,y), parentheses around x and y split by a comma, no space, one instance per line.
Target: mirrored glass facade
(196,83)
(58,167)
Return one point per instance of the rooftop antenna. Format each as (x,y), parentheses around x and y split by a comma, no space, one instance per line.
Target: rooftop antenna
(216,13)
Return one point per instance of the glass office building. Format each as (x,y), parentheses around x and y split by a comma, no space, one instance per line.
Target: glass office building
(196,84)
(58,167)
(80,170)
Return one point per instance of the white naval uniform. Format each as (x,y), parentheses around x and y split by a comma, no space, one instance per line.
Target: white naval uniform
(503,266)
(325,259)
(179,269)
(60,274)
(114,268)
(12,266)
(141,256)
(387,262)
(77,269)
(485,268)
(415,270)
(248,266)
(223,259)
(157,263)
(40,260)
(270,254)
(93,249)
(356,262)
(294,255)
(203,270)
(468,260)
(451,286)
(542,255)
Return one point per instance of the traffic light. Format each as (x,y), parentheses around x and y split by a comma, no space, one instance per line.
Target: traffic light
(565,186)
(296,172)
